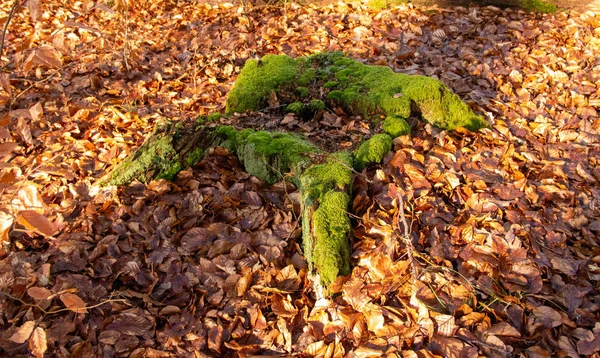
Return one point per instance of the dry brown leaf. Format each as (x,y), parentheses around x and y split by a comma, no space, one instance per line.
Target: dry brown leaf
(547,316)
(33,220)
(73,302)
(282,306)
(7,147)
(35,9)
(39,293)
(23,333)
(37,342)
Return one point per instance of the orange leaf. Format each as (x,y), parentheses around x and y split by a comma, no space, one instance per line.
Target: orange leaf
(37,342)
(33,220)
(35,9)
(47,55)
(39,293)
(7,147)
(73,302)
(23,333)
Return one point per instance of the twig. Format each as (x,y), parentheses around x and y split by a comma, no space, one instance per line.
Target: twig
(110,299)
(17,4)
(406,235)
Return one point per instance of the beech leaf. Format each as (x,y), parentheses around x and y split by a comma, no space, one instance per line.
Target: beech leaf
(37,342)
(73,302)
(23,333)
(33,220)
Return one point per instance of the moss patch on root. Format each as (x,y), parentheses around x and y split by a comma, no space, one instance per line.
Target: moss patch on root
(360,89)
(271,156)
(326,187)
(157,153)
(372,151)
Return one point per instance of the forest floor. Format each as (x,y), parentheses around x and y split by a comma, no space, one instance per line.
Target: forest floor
(504,222)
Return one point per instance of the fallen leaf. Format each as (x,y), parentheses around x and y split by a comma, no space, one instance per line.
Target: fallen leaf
(23,333)
(73,302)
(37,342)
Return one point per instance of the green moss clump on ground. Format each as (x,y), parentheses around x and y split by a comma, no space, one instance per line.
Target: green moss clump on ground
(194,157)
(542,6)
(361,89)
(295,107)
(302,91)
(376,89)
(325,242)
(258,80)
(384,4)
(316,105)
(395,126)
(268,156)
(306,110)
(372,151)
(213,117)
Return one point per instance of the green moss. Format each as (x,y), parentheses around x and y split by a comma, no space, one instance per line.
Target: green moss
(194,157)
(308,75)
(295,107)
(317,105)
(213,117)
(258,80)
(384,4)
(372,151)
(371,90)
(395,126)
(331,253)
(542,6)
(266,155)
(170,172)
(328,185)
(335,174)
(306,110)
(302,91)
(157,153)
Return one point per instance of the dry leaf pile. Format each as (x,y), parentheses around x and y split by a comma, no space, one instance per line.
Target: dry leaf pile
(501,227)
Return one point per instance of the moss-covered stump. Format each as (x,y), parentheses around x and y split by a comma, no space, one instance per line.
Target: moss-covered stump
(305,86)
(170,148)
(271,156)
(369,91)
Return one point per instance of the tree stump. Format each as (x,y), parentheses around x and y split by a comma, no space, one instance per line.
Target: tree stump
(307,85)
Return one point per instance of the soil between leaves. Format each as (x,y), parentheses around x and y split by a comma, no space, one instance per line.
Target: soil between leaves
(506,221)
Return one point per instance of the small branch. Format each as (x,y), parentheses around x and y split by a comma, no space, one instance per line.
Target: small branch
(406,234)
(17,4)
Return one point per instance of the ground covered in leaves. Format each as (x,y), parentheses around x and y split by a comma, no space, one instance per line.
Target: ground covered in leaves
(503,224)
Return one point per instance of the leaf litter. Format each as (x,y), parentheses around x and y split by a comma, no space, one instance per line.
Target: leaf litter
(504,223)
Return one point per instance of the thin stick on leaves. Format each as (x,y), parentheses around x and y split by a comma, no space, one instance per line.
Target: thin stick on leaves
(405,230)
(13,9)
